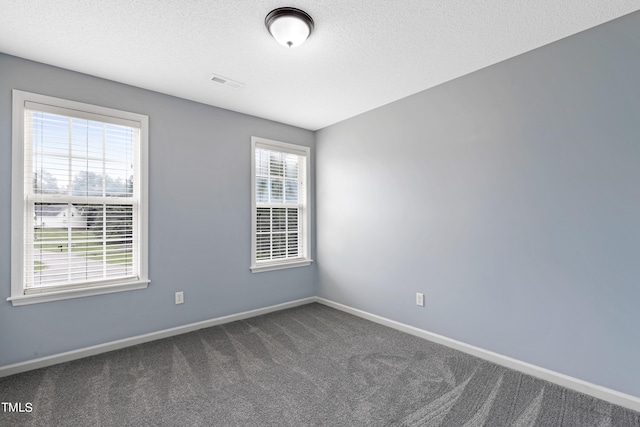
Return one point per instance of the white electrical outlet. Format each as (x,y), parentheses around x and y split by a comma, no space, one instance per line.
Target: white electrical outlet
(180,297)
(420,299)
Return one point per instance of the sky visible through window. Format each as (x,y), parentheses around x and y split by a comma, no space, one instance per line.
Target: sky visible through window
(81,157)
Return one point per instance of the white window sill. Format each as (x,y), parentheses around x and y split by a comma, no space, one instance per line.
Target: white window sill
(280,265)
(77,293)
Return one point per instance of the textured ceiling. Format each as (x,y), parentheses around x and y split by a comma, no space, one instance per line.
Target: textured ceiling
(361,55)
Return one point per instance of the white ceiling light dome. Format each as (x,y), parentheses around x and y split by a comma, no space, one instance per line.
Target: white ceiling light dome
(289,26)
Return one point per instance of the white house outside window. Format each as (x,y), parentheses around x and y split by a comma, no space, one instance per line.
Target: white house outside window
(280,205)
(79,199)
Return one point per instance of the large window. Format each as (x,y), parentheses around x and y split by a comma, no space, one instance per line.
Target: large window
(280,205)
(79,199)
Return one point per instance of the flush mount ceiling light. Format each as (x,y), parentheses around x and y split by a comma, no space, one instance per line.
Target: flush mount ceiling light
(289,26)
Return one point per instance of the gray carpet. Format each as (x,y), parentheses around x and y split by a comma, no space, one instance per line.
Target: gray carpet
(310,365)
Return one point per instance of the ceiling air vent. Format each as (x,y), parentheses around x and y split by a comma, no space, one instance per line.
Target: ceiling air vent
(225,81)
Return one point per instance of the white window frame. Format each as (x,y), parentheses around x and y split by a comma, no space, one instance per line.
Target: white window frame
(19,204)
(305,258)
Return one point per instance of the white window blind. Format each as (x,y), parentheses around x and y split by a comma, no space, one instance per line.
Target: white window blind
(81,196)
(280,216)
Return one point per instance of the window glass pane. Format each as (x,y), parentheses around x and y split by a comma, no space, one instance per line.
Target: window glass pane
(87,182)
(49,219)
(262,190)
(79,242)
(276,166)
(118,235)
(291,166)
(292,219)
(279,219)
(50,133)
(45,181)
(291,191)
(100,156)
(276,190)
(292,244)
(263,246)
(87,138)
(279,245)
(119,187)
(263,220)
(51,174)
(117,180)
(120,140)
(262,162)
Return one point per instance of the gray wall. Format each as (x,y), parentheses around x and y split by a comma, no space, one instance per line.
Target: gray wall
(199,220)
(510,197)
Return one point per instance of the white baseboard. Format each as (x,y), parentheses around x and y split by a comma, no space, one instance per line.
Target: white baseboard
(603,393)
(43,362)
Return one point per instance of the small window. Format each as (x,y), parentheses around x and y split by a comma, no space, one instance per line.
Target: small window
(280,205)
(79,199)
